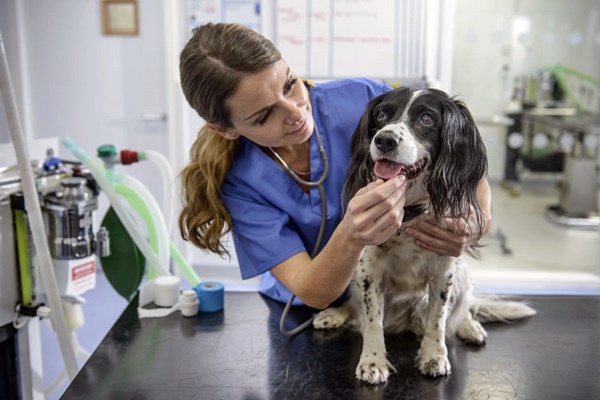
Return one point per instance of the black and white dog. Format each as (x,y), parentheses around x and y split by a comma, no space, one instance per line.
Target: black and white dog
(399,286)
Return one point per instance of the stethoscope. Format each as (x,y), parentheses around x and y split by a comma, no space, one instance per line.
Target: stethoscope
(319,185)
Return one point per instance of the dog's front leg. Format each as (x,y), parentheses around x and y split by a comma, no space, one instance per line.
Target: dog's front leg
(373,367)
(433,354)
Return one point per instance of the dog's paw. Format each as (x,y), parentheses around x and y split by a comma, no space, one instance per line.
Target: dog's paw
(471,331)
(373,369)
(435,366)
(330,318)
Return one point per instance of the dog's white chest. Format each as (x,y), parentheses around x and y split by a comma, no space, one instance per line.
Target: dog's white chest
(400,262)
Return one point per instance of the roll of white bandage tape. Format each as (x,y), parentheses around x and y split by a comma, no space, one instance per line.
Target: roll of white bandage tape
(166,291)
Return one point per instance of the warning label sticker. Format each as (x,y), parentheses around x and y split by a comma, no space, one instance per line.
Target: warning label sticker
(81,271)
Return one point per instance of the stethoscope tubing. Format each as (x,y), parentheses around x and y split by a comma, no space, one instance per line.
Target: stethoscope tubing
(319,185)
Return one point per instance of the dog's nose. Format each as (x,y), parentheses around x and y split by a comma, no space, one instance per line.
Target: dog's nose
(386,141)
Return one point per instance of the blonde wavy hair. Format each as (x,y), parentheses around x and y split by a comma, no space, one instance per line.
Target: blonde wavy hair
(211,65)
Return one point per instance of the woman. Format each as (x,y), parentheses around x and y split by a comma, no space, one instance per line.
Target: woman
(262,121)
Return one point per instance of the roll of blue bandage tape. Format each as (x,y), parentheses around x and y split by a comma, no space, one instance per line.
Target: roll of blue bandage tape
(211,296)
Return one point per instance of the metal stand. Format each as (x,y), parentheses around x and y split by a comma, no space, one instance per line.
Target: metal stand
(579,196)
(557,215)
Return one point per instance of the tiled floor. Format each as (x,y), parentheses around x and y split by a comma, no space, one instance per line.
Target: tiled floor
(545,258)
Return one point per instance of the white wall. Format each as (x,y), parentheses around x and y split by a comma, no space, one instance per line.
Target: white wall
(562,32)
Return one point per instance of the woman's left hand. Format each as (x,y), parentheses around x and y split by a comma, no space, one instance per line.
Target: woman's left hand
(445,241)
(459,235)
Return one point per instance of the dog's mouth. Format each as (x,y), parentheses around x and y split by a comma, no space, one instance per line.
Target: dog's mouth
(386,169)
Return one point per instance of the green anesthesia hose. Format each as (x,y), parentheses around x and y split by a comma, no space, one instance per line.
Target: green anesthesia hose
(183,265)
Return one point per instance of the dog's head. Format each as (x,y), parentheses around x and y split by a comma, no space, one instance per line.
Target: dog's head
(427,136)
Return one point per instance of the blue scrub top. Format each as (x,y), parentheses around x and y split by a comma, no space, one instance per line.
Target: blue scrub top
(272,218)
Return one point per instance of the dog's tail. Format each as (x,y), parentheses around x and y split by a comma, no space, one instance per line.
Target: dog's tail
(493,308)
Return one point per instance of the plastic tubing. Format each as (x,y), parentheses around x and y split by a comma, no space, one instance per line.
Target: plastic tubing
(184,266)
(34,214)
(152,234)
(97,170)
(136,201)
(154,219)
(167,177)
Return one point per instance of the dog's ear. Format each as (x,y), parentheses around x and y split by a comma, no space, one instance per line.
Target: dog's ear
(460,166)
(360,171)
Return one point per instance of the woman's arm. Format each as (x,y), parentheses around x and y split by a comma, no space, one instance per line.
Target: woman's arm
(445,242)
(373,215)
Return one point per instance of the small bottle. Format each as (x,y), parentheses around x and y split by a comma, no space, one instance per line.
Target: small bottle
(188,301)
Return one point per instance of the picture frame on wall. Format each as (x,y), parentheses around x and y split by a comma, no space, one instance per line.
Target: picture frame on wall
(120,17)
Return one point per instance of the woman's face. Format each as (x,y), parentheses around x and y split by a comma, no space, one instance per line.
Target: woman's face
(270,108)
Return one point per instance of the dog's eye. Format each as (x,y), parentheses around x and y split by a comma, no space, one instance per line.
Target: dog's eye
(381,116)
(426,119)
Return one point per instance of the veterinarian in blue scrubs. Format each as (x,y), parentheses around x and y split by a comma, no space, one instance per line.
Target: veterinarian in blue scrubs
(262,121)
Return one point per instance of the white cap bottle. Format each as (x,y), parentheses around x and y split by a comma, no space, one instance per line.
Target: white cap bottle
(188,301)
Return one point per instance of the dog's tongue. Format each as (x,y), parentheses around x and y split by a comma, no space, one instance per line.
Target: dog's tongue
(385,169)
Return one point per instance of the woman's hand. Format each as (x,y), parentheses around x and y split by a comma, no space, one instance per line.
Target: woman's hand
(375,212)
(443,241)
(460,234)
